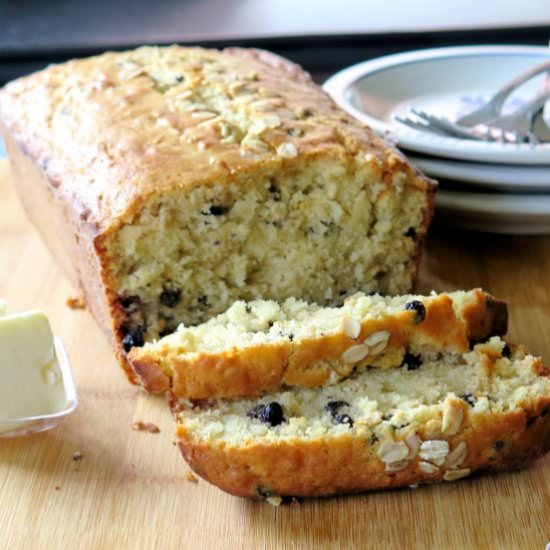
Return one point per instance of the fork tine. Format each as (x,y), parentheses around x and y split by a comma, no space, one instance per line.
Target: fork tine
(447,126)
(426,122)
(481,132)
(421,120)
(422,126)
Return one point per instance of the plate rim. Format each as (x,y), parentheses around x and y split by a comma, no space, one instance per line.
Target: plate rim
(339,84)
(426,164)
(510,204)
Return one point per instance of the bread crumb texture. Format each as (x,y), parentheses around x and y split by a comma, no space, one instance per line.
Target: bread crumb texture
(387,401)
(455,414)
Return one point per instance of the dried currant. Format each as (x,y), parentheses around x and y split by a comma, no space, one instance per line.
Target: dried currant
(343,419)
(270,413)
(469,398)
(412,361)
(130,304)
(218,210)
(334,406)
(170,298)
(419,308)
(275,192)
(133,338)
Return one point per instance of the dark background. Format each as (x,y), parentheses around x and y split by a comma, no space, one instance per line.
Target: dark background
(323,36)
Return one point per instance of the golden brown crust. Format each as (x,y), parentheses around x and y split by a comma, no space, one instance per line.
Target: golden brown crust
(251,370)
(63,116)
(345,464)
(493,318)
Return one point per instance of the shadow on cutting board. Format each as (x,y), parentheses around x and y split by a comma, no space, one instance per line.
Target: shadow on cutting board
(463,514)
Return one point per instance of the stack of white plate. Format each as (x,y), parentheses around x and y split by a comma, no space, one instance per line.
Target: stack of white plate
(493,187)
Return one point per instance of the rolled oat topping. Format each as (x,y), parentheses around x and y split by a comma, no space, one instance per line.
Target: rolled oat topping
(355,353)
(351,327)
(413,442)
(457,456)
(287,150)
(393,451)
(377,341)
(452,475)
(453,414)
(396,466)
(428,467)
(434,450)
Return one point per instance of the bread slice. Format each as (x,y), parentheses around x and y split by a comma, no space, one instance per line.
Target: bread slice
(170,182)
(261,345)
(458,414)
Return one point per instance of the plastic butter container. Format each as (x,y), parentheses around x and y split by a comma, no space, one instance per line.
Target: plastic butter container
(37,388)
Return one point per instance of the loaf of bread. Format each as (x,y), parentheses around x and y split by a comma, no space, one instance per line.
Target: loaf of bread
(259,346)
(170,182)
(484,410)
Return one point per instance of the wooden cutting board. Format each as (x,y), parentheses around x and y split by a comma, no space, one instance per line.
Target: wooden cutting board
(130,489)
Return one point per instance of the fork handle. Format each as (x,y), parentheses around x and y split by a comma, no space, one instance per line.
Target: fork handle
(500,97)
(536,103)
(529,110)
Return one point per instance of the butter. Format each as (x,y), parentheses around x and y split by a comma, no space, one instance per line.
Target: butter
(31,382)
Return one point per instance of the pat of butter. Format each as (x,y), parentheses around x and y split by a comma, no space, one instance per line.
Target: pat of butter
(31,382)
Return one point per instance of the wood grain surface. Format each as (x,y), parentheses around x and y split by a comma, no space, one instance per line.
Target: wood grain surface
(130,488)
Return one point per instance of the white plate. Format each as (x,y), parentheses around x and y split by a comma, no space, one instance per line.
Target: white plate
(494,212)
(496,177)
(446,81)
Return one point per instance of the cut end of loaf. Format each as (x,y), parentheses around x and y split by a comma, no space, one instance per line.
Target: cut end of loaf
(320,229)
(383,428)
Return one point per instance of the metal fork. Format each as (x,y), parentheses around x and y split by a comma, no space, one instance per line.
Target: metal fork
(517,127)
(420,120)
(493,107)
(540,127)
(522,119)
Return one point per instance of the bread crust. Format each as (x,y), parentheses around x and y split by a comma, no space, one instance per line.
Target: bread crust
(112,176)
(101,139)
(348,464)
(307,363)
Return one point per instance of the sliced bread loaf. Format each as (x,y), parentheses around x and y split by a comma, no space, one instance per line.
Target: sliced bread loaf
(486,409)
(170,182)
(261,345)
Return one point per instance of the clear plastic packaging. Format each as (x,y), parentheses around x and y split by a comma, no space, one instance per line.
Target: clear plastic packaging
(33,424)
